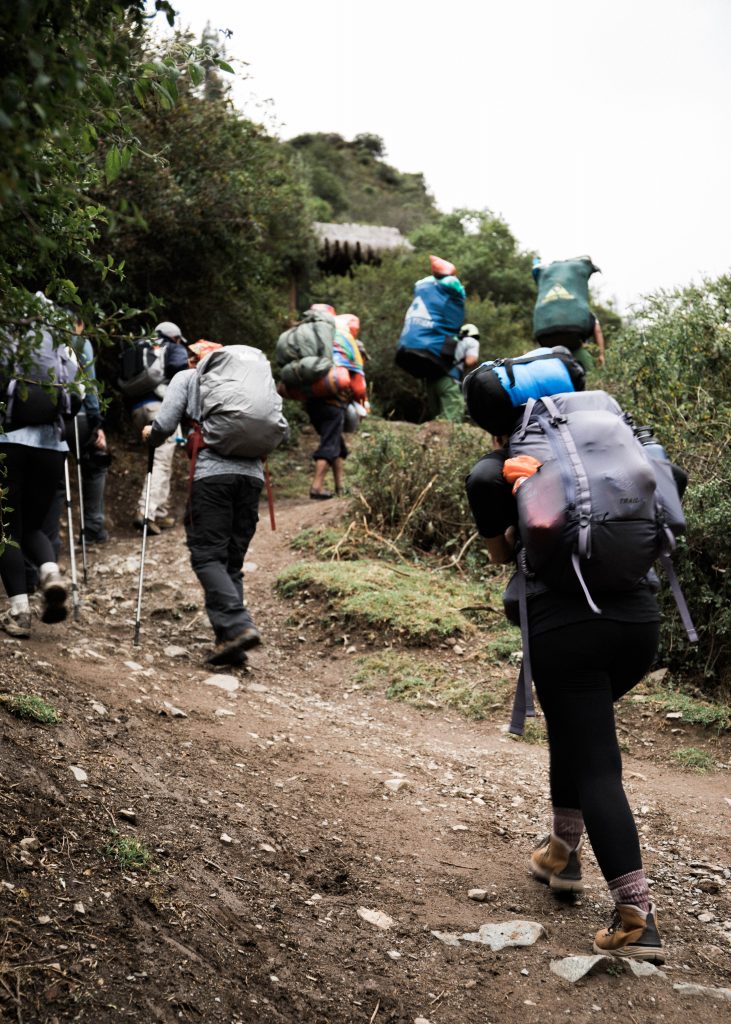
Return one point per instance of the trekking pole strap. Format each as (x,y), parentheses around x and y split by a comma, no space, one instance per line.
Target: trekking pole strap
(679,596)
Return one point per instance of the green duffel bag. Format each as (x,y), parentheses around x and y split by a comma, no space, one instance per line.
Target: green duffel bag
(562,305)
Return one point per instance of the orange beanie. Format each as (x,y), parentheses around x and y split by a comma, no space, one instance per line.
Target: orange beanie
(441,268)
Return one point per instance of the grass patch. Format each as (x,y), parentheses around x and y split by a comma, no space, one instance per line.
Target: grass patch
(694,758)
(128,852)
(426,683)
(707,714)
(35,709)
(402,600)
(535,732)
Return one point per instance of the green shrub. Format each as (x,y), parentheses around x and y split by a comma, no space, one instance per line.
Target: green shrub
(671,368)
(412,481)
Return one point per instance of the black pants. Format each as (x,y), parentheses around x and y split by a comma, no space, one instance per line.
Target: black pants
(32,478)
(329,421)
(580,670)
(220,522)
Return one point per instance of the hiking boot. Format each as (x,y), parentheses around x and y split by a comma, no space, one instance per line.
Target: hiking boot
(555,863)
(55,594)
(152,528)
(16,623)
(224,651)
(321,495)
(165,522)
(632,934)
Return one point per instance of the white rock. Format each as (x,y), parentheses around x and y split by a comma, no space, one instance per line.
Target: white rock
(267,848)
(175,712)
(506,933)
(419,1020)
(674,714)
(44,919)
(226,839)
(133,666)
(721,994)
(641,969)
(99,708)
(573,968)
(706,918)
(460,828)
(228,683)
(396,784)
(78,773)
(257,688)
(224,713)
(448,938)
(30,843)
(393,954)
(79,908)
(250,566)
(458,649)
(173,651)
(479,894)
(376,917)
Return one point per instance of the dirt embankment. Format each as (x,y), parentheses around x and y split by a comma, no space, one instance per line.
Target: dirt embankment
(278,803)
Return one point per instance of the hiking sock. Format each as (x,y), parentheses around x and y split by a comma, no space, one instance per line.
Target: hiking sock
(568,824)
(631,889)
(46,570)
(19,604)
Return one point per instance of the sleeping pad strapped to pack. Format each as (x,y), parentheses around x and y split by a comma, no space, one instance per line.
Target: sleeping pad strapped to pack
(562,304)
(494,391)
(428,339)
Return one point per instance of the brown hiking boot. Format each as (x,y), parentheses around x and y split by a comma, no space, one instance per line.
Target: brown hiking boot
(55,592)
(555,863)
(632,934)
(16,624)
(228,652)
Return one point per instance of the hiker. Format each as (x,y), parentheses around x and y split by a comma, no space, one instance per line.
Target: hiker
(145,386)
(582,661)
(34,450)
(94,454)
(317,369)
(223,502)
(427,348)
(444,395)
(562,315)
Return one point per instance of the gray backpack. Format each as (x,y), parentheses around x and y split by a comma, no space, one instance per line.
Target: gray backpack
(598,513)
(36,385)
(240,410)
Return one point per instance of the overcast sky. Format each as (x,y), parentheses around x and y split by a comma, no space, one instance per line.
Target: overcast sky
(591,126)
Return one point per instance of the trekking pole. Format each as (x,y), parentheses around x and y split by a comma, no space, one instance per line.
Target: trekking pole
(72,553)
(150,460)
(270,495)
(82,518)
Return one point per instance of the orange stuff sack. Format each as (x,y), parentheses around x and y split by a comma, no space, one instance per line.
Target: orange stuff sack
(442,268)
(519,468)
(335,384)
(358,387)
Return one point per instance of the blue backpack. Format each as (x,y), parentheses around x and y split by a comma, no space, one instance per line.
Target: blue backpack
(429,336)
(494,391)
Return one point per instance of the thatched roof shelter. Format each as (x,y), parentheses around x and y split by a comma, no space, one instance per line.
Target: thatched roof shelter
(342,245)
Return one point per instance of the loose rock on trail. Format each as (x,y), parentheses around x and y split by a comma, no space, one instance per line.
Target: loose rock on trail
(279,844)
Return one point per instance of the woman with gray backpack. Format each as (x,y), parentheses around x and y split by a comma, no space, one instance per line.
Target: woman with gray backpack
(571,495)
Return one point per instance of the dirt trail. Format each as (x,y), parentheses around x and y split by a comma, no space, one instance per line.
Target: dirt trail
(291,768)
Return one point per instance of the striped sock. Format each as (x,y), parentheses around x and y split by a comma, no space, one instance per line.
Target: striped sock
(568,824)
(631,888)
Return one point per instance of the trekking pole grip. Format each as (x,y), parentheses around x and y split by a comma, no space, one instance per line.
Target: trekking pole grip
(150,458)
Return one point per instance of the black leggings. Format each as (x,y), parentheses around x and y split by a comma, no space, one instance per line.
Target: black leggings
(580,670)
(32,477)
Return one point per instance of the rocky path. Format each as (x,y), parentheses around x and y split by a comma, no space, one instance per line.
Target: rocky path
(307,836)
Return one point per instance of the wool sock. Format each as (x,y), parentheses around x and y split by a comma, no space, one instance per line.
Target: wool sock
(631,888)
(19,604)
(568,824)
(46,569)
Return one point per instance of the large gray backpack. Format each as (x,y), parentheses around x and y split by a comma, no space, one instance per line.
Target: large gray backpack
(596,515)
(240,410)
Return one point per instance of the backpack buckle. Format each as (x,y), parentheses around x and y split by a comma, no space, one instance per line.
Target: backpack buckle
(557,421)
